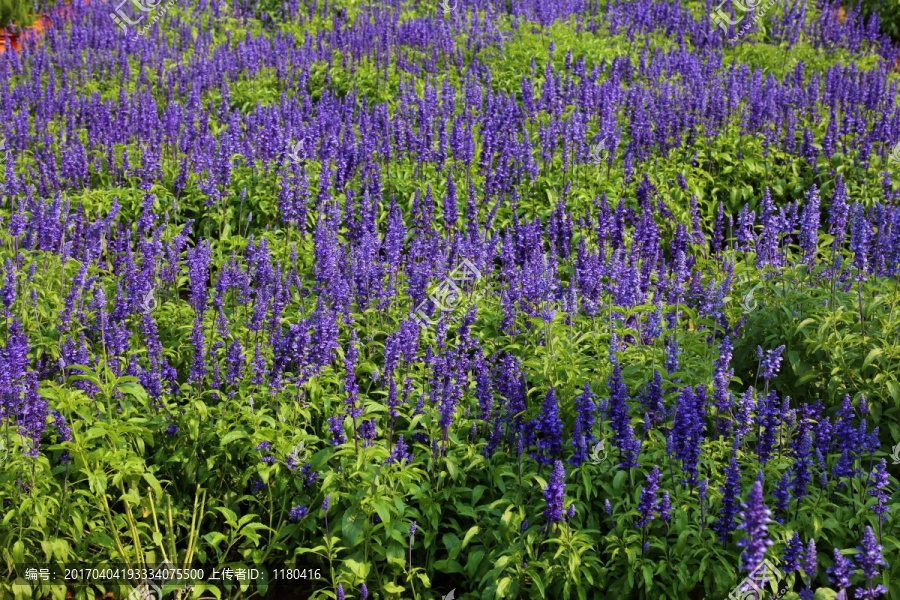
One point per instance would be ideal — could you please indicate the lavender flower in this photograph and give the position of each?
(549, 429)
(869, 559)
(554, 493)
(412, 532)
(782, 493)
(258, 484)
(264, 447)
(732, 487)
(771, 363)
(880, 480)
(839, 574)
(336, 427)
(809, 569)
(399, 453)
(755, 518)
(648, 501)
(790, 562)
(665, 507)
(297, 513)
(860, 234)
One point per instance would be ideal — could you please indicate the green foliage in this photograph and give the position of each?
(16, 13)
(831, 351)
(888, 13)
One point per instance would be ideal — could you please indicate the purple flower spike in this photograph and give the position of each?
(769, 366)
(755, 518)
(648, 502)
(869, 559)
(810, 566)
(665, 507)
(790, 562)
(297, 513)
(840, 573)
(554, 493)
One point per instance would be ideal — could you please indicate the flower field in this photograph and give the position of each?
(457, 299)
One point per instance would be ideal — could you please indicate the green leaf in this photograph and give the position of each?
(424, 579)
(392, 588)
(395, 554)
(229, 515)
(97, 482)
(451, 468)
(384, 510)
(450, 542)
(872, 355)
(353, 522)
(502, 586)
(894, 390)
(18, 552)
(469, 535)
(154, 483)
(360, 570)
(232, 436)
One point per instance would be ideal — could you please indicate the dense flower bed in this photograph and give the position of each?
(524, 299)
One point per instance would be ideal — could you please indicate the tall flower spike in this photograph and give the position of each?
(869, 559)
(860, 234)
(879, 481)
(790, 562)
(412, 533)
(755, 518)
(554, 493)
(550, 430)
(770, 364)
(839, 574)
(810, 566)
(648, 502)
(732, 487)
